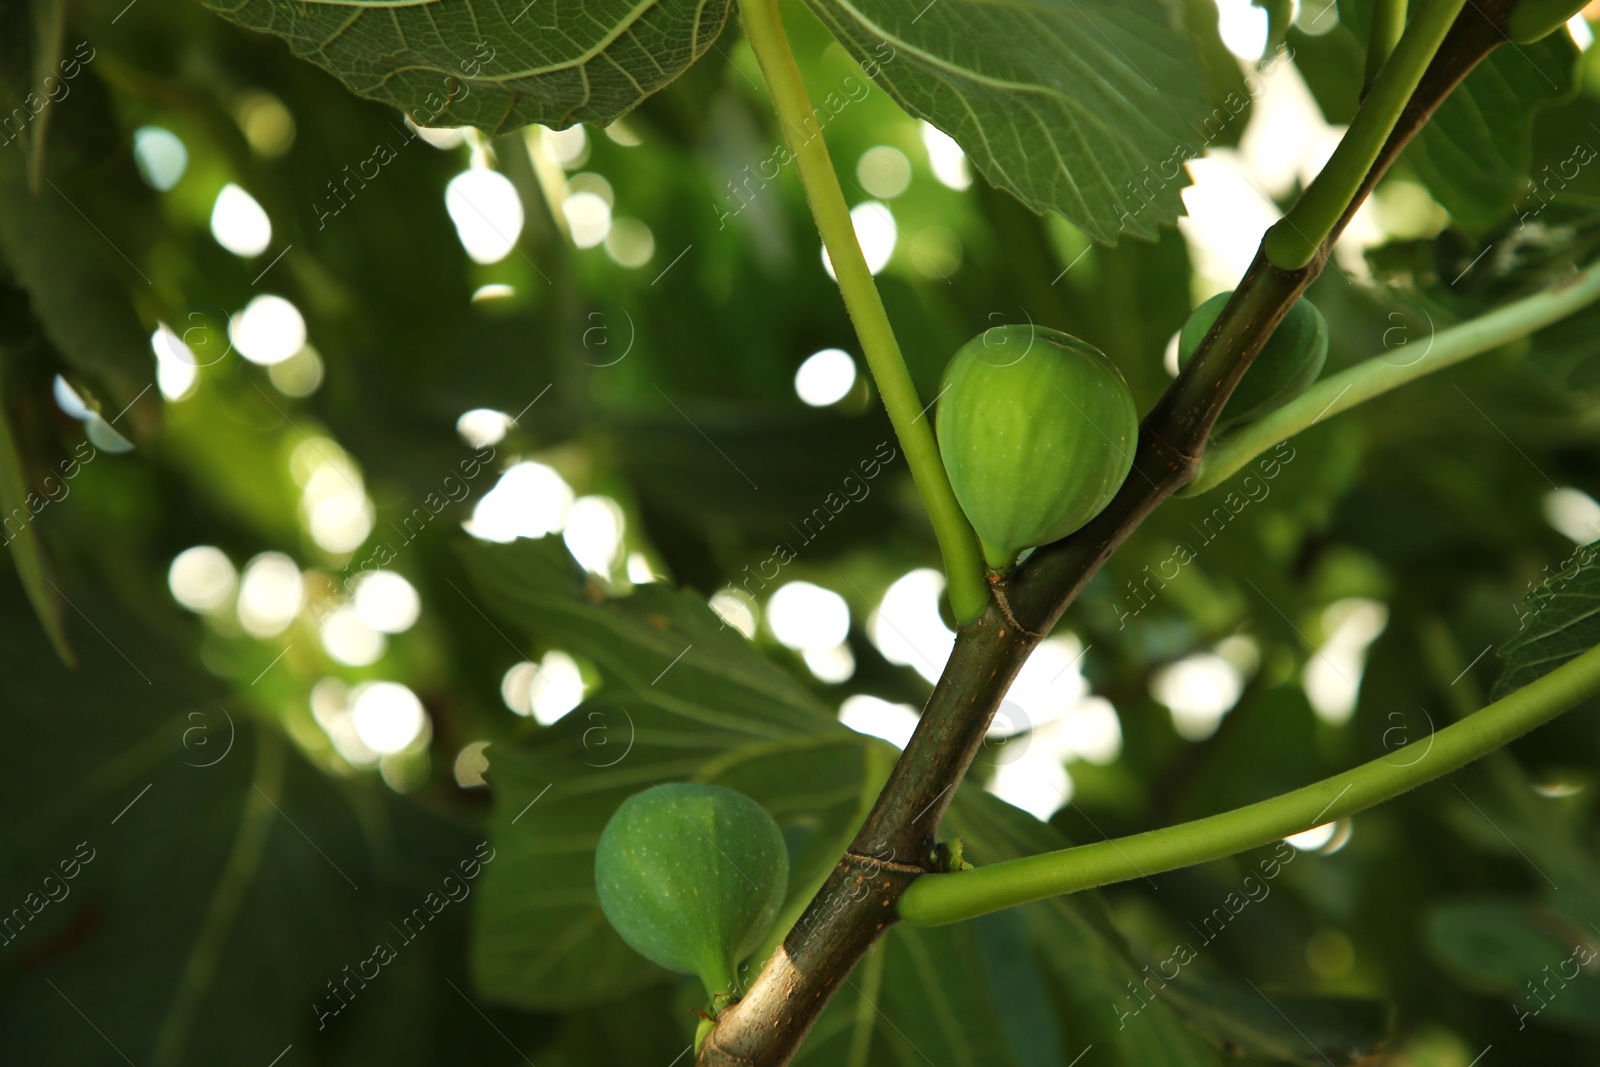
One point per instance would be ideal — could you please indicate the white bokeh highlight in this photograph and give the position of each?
(736, 608)
(546, 690)
(826, 377)
(907, 629)
(876, 717)
(347, 639)
(386, 601)
(483, 427)
(388, 717)
(807, 617)
(160, 156)
(487, 213)
(1198, 691)
(270, 594)
(177, 371)
(202, 578)
(239, 223)
(945, 157)
(269, 330)
(530, 500)
(1573, 513)
(593, 533)
(1332, 677)
(875, 233)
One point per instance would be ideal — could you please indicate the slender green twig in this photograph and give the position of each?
(943, 898)
(959, 545)
(244, 859)
(1294, 240)
(1388, 23)
(1376, 376)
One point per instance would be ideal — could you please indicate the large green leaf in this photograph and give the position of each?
(1106, 981)
(540, 938)
(681, 692)
(1475, 152)
(1537, 958)
(75, 276)
(495, 66)
(23, 537)
(686, 698)
(1560, 619)
(1086, 107)
(940, 996)
(190, 884)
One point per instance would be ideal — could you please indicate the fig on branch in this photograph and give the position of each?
(1037, 431)
(1284, 368)
(692, 877)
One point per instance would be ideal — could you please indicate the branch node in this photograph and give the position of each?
(997, 586)
(873, 863)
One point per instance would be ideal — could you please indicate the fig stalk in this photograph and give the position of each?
(957, 543)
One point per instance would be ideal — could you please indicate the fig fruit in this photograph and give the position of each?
(1289, 362)
(692, 877)
(1037, 431)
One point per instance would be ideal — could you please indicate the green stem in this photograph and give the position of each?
(943, 898)
(1376, 376)
(1388, 23)
(969, 590)
(1297, 237)
(1533, 19)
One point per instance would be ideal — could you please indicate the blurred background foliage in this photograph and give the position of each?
(288, 387)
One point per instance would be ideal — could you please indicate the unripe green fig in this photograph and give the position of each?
(1532, 19)
(692, 877)
(1037, 431)
(1284, 368)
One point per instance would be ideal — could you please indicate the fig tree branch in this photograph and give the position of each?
(1174, 434)
(1388, 23)
(945, 898)
(1298, 236)
(1376, 376)
(958, 544)
(896, 843)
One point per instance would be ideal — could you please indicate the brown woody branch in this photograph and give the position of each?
(897, 842)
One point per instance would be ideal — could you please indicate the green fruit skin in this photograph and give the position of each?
(1037, 431)
(1284, 368)
(692, 877)
(1533, 19)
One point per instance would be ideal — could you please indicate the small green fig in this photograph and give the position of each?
(692, 877)
(1284, 368)
(1037, 431)
(1532, 19)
